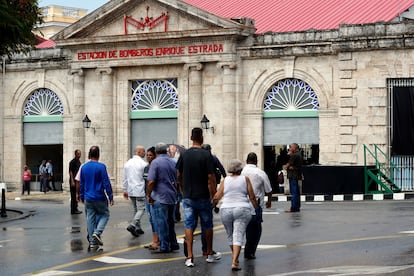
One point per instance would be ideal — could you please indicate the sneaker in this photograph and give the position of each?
(216, 255)
(139, 230)
(189, 262)
(97, 238)
(132, 230)
(213, 257)
(93, 247)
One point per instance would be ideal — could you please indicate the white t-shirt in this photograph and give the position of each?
(260, 181)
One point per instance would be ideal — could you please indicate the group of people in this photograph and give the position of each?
(47, 182)
(46, 176)
(154, 183)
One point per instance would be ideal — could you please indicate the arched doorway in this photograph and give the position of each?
(43, 134)
(290, 115)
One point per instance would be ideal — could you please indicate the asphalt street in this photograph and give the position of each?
(325, 238)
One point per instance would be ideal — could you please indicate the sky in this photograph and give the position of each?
(90, 5)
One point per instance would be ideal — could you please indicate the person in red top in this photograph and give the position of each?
(27, 175)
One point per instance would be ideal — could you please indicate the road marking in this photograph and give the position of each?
(350, 270)
(56, 269)
(92, 258)
(348, 240)
(264, 246)
(53, 273)
(3, 241)
(270, 213)
(116, 260)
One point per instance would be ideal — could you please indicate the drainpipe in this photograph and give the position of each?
(2, 118)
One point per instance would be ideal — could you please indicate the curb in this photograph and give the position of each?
(348, 197)
(16, 214)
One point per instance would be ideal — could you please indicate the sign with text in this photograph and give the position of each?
(152, 52)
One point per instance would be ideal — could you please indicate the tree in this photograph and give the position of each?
(17, 20)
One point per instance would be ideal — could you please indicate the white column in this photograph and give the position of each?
(105, 129)
(229, 116)
(78, 111)
(195, 99)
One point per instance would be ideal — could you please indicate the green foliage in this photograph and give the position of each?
(17, 20)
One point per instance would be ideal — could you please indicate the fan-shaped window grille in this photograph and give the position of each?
(291, 94)
(154, 95)
(43, 102)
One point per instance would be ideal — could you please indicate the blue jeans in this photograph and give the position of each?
(295, 192)
(194, 208)
(44, 182)
(164, 218)
(150, 212)
(97, 216)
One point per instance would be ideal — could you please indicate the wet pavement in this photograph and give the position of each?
(325, 238)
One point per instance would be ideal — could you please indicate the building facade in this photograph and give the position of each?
(147, 71)
(55, 18)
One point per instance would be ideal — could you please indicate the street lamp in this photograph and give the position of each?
(86, 122)
(205, 124)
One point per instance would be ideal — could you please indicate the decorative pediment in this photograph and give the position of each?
(147, 18)
(148, 22)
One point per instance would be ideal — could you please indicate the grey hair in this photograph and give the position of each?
(161, 148)
(235, 166)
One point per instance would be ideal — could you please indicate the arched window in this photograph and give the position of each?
(42, 118)
(43, 102)
(291, 94)
(154, 95)
(291, 114)
(153, 103)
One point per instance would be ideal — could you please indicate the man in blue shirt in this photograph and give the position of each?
(162, 194)
(95, 190)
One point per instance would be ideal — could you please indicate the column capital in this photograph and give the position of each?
(78, 72)
(227, 64)
(104, 70)
(196, 66)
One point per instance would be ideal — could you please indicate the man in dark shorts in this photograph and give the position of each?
(198, 185)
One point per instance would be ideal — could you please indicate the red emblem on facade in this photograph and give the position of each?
(147, 22)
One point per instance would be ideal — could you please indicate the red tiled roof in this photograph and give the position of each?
(46, 44)
(300, 15)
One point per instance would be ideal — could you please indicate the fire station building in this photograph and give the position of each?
(148, 71)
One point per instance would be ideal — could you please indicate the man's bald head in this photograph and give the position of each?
(140, 151)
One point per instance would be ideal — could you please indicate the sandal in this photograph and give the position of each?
(235, 267)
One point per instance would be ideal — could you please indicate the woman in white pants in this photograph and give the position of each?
(237, 197)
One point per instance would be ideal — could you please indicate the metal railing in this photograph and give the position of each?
(380, 177)
(403, 171)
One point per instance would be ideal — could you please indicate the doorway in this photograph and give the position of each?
(34, 154)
